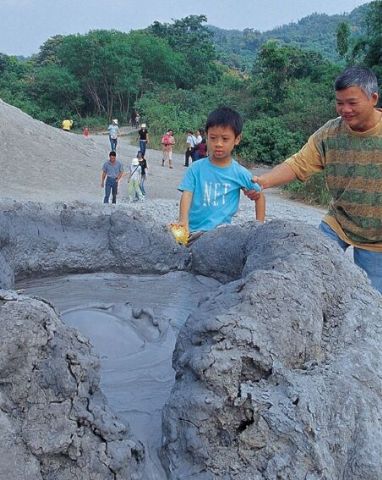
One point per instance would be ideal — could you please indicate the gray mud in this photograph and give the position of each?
(133, 322)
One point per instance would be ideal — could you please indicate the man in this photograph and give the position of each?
(112, 170)
(143, 138)
(349, 150)
(190, 149)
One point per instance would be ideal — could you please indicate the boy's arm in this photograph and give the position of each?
(260, 208)
(184, 207)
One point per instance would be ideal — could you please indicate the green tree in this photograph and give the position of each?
(368, 49)
(55, 89)
(16, 77)
(159, 62)
(276, 69)
(48, 51)
(103, 62)
(193, 40)
(343, 36)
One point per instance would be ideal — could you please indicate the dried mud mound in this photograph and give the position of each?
(37, 239)
(55, 422)
(278, 376)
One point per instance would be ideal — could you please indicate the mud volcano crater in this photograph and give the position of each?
(277, 354)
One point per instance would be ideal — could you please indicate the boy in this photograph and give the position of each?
(211, 187)
(112, 171)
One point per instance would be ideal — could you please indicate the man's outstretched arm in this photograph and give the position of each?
(279, 175)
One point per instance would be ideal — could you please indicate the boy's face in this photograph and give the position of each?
(221, 141)
(112, 158)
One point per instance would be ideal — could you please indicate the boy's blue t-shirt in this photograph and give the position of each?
(216, 192)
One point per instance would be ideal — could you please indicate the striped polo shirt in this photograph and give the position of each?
(352, 164)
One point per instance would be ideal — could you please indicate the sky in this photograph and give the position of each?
(26, 24)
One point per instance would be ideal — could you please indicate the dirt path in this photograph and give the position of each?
(45, 164)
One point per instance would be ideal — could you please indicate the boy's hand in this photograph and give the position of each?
(180, 232)
(254, 194)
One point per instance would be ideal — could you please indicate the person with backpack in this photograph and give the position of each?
(134, 191)
(167, 142)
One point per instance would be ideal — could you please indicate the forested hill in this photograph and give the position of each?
(315, 32)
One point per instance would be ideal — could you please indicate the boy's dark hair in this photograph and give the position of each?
(225, 117)
(112, 154)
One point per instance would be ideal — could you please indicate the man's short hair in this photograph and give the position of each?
(225, 117)
(112, 154)
(356, 76)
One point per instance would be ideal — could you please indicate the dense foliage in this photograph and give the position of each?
(175, 74)
(316, 32)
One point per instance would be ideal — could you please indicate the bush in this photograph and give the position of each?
(266, 140)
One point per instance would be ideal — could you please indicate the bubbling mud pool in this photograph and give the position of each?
(133, 322)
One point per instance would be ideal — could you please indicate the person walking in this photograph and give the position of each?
(112, 171)
(190, 148)
(144, 169)
(198, 141)
(113, 130)
(133, 189)
(143, 137)
(168, 141)
(348, 149)
(133, 118)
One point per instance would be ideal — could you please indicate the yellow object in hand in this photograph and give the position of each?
(180, 233)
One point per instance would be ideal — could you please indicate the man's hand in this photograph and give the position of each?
(253, 194)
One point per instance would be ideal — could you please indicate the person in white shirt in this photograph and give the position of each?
(190, 150)
(113, 134)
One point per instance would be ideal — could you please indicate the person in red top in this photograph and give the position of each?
(167, 141)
